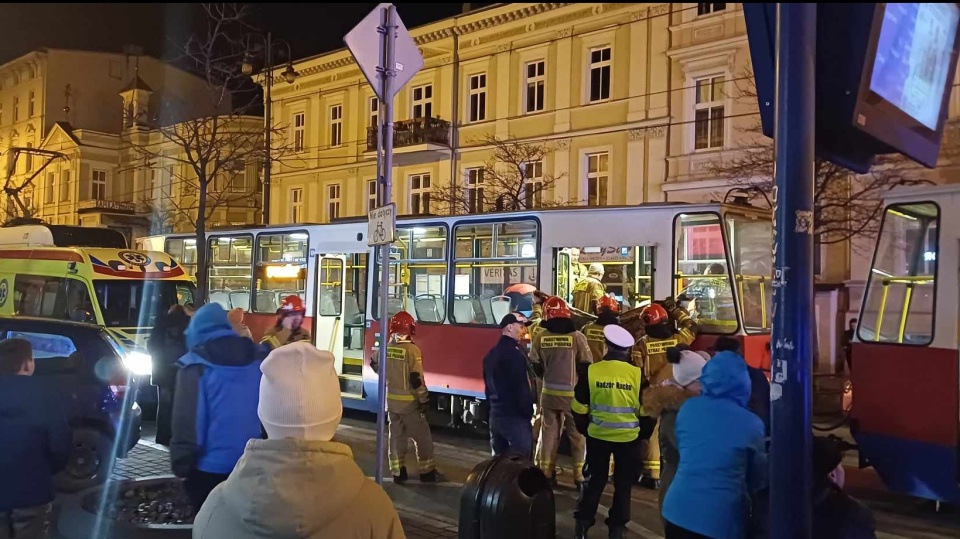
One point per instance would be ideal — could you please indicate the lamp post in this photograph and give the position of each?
(289, 75)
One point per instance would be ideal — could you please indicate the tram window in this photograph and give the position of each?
(900, 298)
(184, 251)
(331, 287)
(493, 261)
(281, 269)
(627, 271)
(702, 279)
(230, 264)
(752, 259)
(418, 274)
(354, 307)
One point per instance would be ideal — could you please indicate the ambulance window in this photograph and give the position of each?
(230, 271)
(900, 297)
(36, 295)
(496, 270)
(281, 269)
(418, 274)
(701, 281)
(79, 307)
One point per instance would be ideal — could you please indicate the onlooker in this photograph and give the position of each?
(759, 385)
(167, 344)
(723, 458)
(35, 443)
(664, 401)
(507, 388)
(835, 514)
(298, 483)
(215, 411)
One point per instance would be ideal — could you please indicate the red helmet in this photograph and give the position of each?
(606, 303)
(402, 323)
(555, 307)
(654, 314)
(291, 304)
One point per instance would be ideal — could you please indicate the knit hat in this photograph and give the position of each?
(689, 368)
(299, 393)
(209, 322)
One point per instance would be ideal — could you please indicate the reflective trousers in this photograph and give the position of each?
(555, 421)
(410, 425)
(651, 459)
(624, 476)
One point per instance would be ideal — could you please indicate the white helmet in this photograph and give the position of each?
(597, 268)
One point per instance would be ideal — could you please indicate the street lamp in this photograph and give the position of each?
(289, 75)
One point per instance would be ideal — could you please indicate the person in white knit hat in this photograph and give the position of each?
(298, 483)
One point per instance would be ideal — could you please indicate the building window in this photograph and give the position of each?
(478, 98)
(714, 7)
(374, 111)
(600, 74)
(598, 175)
(333, 201)
(64, 186)
(372, 195)
(16, 109)
(336, 125)
(709, 109)
(423, 101)
(296, 205)
(299, 131)
(31, 103)
(152, 188)
(48, 188)
(419, 194)
(474, 181)
(99, 185)
(167, 187)
(29, 158)
(536, 82)
(533, 184)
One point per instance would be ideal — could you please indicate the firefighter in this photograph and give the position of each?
(607, 407)
(665, 326)
(407, 401)
(288, 326)
(578, 270)
(536, 385)
(589, 291)
(608, 312)
(558, 353)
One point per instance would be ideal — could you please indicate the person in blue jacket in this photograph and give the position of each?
(215, 406)
(723, 458)
(507, 388)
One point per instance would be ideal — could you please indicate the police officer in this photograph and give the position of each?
(607, 408)
(407, 401)
(558, 353)
(608, 312)
(288, 326)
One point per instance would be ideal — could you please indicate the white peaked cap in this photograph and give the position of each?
(618, 336)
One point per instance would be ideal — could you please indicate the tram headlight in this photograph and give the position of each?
(139, 363)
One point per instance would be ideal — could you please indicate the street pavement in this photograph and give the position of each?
(429, 511)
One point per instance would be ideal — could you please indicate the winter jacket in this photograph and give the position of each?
(723, 458)
(663, 402)
(297, 489)
(558, 353)
(167, 344)
(838, 516)
(506, 382)
(215, 403)
(35, 440)
(406, 386)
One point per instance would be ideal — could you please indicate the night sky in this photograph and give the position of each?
(309, 28)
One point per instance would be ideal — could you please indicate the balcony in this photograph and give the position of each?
(107, 206)
(420, 134)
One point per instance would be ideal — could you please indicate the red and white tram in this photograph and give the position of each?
(451, 273)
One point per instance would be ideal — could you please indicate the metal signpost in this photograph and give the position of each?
(388, 64)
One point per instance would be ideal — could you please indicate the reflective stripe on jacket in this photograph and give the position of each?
(614, 406)
(403, 359)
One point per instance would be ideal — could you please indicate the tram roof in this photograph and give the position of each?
(922, 191)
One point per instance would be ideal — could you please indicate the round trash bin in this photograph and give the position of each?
(507, 497)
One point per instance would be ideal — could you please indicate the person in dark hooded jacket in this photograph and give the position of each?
(759, 402)
(835, 514)
(215, 411)
(167, 344)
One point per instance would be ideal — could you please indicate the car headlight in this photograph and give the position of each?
(139, 363)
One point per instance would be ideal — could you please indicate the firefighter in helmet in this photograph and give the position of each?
(407, 401)
(588, 291)
(665, 326)
(558, 353)
(288, 327)
(608, 312)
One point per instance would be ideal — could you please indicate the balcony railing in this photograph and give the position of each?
(412, 132)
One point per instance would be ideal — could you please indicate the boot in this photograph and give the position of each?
(552, 482)
(432, 476)
(650, 483)
(581, 530)
(402, 478)
(618, 532)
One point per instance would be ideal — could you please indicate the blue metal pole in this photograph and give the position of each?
(790, 392)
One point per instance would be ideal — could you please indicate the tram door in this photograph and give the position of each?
(563, 277)
(329, 306)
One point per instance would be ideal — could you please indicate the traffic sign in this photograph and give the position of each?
(382, 225)
(366, 49)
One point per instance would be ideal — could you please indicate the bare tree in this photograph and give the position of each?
(514, 178)
(209, 143)
(846, 205)
(22, 207)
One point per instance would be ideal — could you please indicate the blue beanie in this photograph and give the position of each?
(209, 322)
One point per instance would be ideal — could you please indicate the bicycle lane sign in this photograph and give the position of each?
(381, 225)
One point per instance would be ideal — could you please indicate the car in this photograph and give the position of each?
(89, 369)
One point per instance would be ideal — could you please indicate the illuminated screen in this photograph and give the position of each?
(913, 57)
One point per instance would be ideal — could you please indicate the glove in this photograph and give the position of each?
(669, 304)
